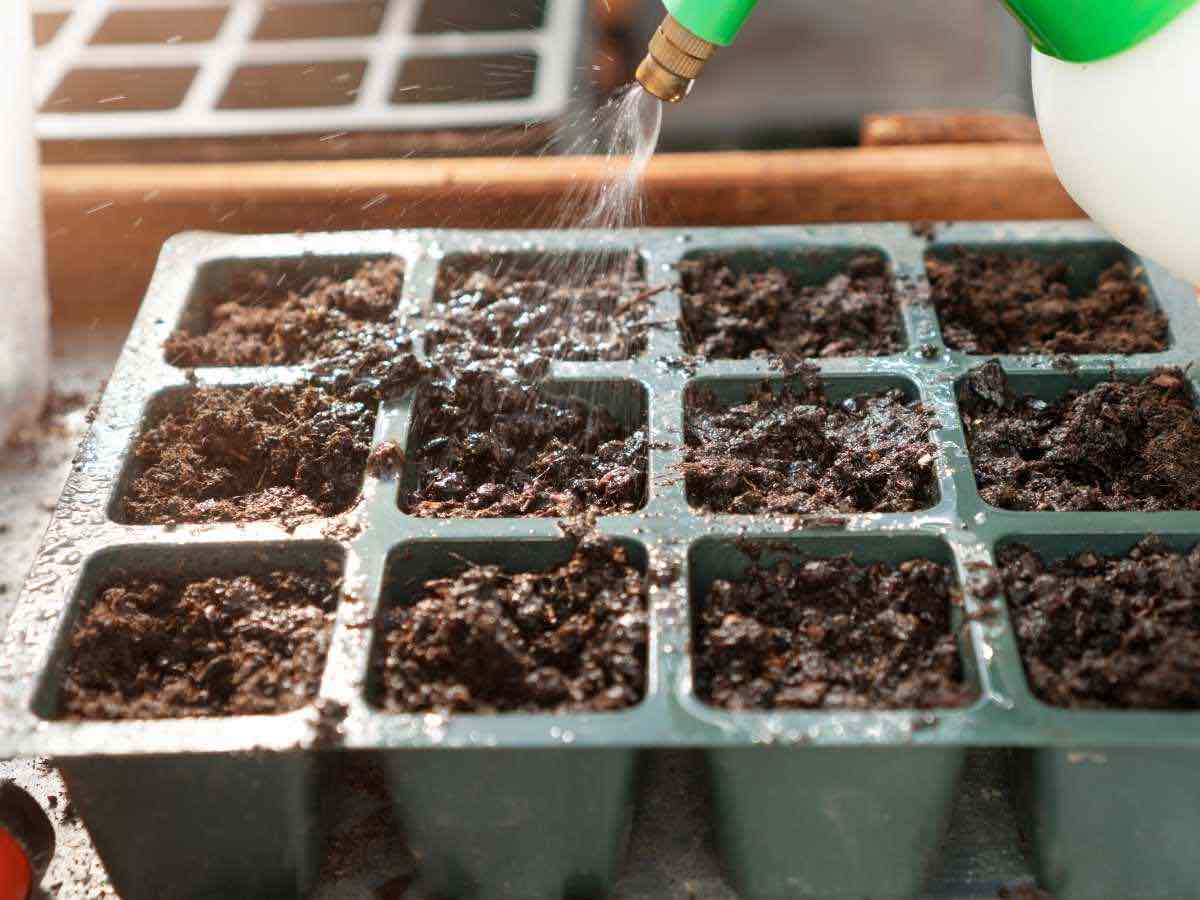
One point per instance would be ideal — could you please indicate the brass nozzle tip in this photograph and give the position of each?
(676, 58)
(662, 83)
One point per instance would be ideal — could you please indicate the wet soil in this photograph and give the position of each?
(151, 647)
(250, 454)
(729, 314)
(798, 452)
(486, 447)
(831, 634)
(569, 638)
(1121, 445)
(994, 303)
(564, 310)
(1102, 632)
(268, 320)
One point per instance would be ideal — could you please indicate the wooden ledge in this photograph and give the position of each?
(106, 223)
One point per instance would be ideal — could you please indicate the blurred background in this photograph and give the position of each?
(188, 80)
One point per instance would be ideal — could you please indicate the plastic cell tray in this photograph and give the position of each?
(806, 804)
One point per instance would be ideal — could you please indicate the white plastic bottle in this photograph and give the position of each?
(1124, 135)
(24, 325)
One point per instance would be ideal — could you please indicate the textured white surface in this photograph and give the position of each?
(1124, 134)
(23, 316)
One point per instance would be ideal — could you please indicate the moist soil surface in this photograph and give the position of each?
(250, 454)
(1121, 445)
(485, 447)
(995, 303)
(564, 310)
(569, 638)
(1104, 632)
(831, 634)
(798, 452)
(729, 314)
(156, 648)
(266, 320)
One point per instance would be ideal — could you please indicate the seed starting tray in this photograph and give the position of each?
(813, 804)
(229, 69)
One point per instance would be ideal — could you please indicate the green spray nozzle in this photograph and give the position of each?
(716, 21)
(1090, 30)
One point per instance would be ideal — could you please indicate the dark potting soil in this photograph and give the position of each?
(559, 309)
(485, 447)
(1103, 632)
(798, 452)
(569, 638)
(268, 320)
(996, 303)
(1121, 445)
(159, 647)
(250, 454)
(831, 634)
(735, 315)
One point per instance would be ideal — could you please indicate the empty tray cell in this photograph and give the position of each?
(46, 26)
(575, 307)
(341, 19)
(103, 90)
(294, 85)
(161, 633)
(803, 628)
(1044, 298)
(800, 303)
(272, 313)
(470, 15)
(475, 627)
(1089, 442)
(808, 445)
(1106, 628)
(251, 454)
(484, 447)
(161, 25)
(485, 77)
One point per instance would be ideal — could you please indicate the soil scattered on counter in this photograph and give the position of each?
(267, 321)
(584, 313)
(1102, 632)
(729, 314)
(569, 638)
(798, 452)
(250, 454)
(1121, 445)
(155, 648)
(831, 634)
(997, 303)
(485, 447)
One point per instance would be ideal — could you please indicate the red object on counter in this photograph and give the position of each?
(16, 875)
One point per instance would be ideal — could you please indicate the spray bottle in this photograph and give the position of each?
(1116, 84)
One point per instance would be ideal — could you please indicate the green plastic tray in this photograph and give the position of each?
(808, 804)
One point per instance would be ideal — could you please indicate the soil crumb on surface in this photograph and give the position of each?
(997, 303)
(1121, 445)
(569, 638)
(154, 648)
(266, 319)
(249, 454)
(798, 452)
(731, 314)
(1105, 631)
(569, 309)
(831, 634)
(485, 447)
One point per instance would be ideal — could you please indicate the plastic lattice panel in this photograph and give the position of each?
(146, 69)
